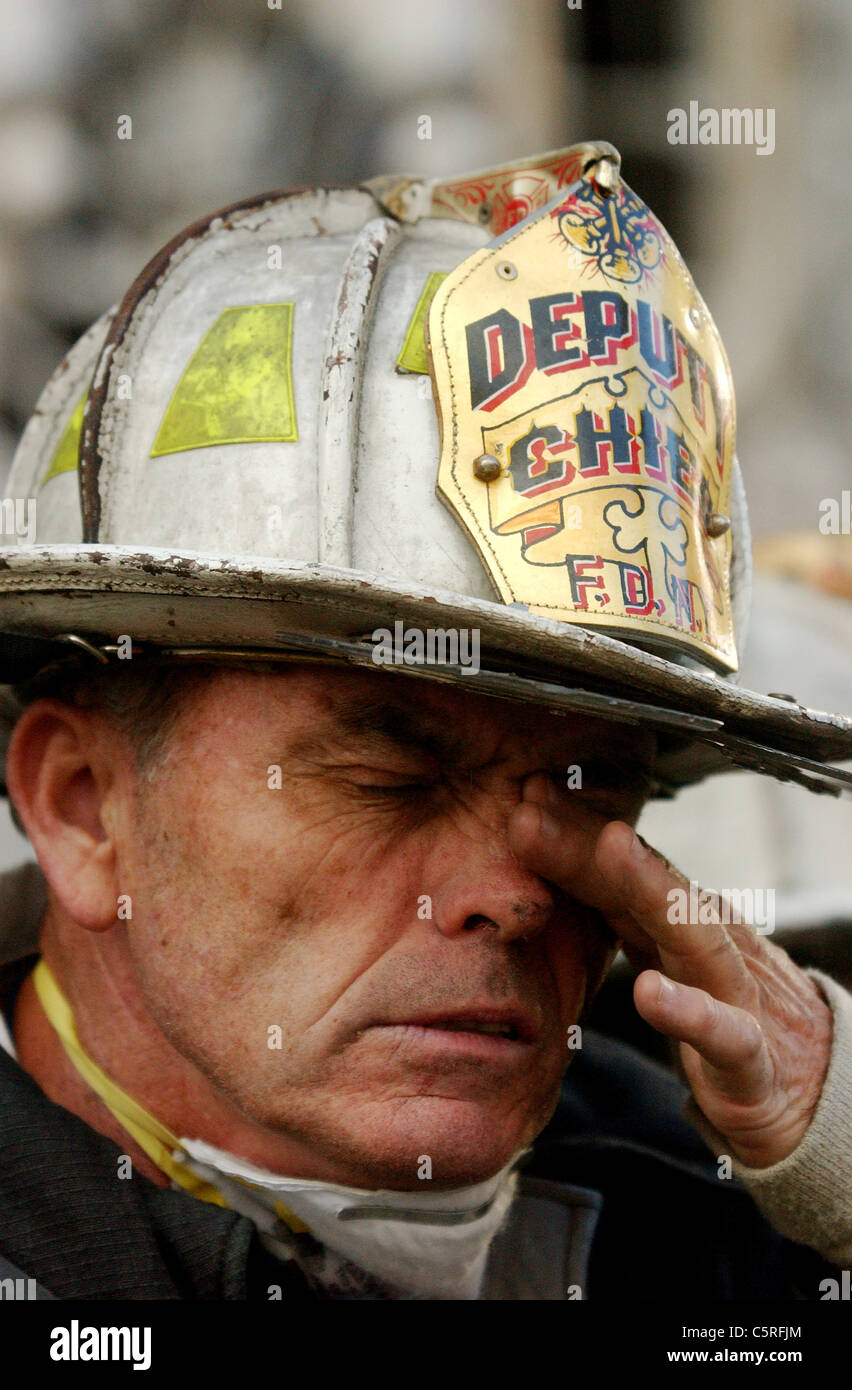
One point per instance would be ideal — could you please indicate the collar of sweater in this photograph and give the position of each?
(426, 1244)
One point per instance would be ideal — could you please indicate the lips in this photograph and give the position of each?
(473, 1025)
(511, 1024)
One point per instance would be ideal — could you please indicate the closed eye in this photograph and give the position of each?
(400, 789)
(387, 783)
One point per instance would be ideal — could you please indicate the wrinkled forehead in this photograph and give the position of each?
(318, 709)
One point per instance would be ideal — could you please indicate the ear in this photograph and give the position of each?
(65, 772)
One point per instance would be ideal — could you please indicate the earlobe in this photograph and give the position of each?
(63, 787)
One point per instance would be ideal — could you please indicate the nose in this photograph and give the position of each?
(491, 891)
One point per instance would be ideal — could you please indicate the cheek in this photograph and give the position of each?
(262, 908)
(579, 955)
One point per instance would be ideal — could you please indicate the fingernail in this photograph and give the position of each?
(666, 992)
(639, 849)
(549, 827)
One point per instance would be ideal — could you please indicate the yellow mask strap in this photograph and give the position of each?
(153, 1138)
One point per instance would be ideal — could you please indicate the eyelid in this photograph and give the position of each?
(398, 775)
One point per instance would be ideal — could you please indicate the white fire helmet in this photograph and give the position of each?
(329, 423)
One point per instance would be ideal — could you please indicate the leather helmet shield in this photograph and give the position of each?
(575, 354)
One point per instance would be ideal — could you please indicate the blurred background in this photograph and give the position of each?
(232, 97)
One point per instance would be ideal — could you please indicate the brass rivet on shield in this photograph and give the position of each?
(506, 270)
(486, 468)
(717, 524)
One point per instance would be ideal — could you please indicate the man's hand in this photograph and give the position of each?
(754, 1031)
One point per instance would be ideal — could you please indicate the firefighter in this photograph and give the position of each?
(391, 552)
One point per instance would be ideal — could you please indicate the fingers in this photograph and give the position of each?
(657, 897)
(562, 851)
(729, 1041)
(606, 865)
(564, 854)
(556, 838)
(754, 1040)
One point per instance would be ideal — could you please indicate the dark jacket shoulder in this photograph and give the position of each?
(670, 1225)
(68, 1220)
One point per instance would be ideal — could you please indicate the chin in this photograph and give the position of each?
(464, 1142)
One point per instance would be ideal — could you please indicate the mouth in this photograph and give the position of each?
(474, 1025)
(507, 1025)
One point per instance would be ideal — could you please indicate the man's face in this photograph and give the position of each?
(362, 904)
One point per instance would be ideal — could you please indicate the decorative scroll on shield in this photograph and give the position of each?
(499, 198)
(494, 198)
(587, 418)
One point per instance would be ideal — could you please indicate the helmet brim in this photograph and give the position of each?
(188, 599)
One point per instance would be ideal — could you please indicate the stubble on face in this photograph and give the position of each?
(299, 908)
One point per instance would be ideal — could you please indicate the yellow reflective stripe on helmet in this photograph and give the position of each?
(65, 456)
(238, 387)
(154, 1138)
(413, 356)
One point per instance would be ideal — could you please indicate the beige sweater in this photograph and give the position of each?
(808, 1195)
